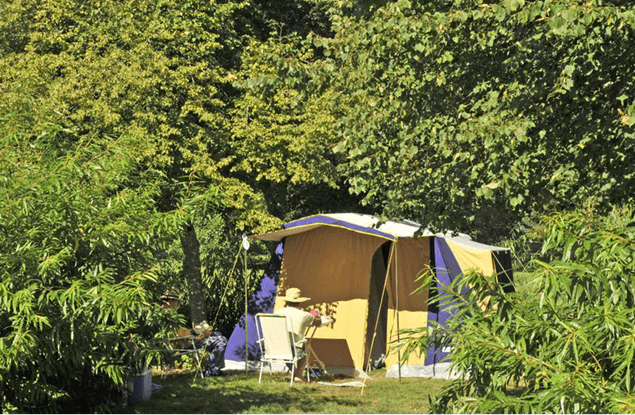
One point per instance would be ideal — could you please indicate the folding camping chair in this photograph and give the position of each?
(276, 343)
(178, 352)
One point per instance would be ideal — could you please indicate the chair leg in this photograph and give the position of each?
(292, 373)
(260, 377)
(199, 369)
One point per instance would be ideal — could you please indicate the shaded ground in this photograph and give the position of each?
(237, 392)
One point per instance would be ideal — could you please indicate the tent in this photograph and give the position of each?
(361, 273)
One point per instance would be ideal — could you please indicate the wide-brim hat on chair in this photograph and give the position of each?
(294, 295)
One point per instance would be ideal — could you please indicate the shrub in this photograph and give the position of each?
(569, 347)
(78, 237)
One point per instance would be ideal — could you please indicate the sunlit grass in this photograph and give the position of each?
(237, 392)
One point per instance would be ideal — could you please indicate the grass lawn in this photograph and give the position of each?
(240, 393)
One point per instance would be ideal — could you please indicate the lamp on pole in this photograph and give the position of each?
(246, 248)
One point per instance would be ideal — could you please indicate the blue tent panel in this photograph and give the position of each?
(446, 269)
(262, 301)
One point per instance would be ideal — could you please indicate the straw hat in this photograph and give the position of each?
(294, 295)
(171, 294)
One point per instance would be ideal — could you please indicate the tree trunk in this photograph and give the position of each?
(192, 272)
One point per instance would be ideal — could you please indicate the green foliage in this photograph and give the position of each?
(471, 114)
(121, 122)
(166, 73)
(223, 275)
(565, 345)
(79, 238)
(282, 141)
(158, 72)
(122, 119)
(283, 133)
(272, 120)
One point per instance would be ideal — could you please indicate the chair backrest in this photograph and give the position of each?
(274, 333)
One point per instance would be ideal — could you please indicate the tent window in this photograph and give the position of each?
(503, 264)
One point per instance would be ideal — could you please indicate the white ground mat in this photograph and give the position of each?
(438, 371)
(353, 384)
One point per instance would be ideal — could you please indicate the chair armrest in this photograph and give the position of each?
(188, 337)
(181, 343)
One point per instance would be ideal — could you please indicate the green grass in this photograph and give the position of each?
(240, 393)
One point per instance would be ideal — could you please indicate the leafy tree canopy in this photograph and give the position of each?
(470, 115)
(146, 139)
(154, 71)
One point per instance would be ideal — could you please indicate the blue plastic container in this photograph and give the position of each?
(140, 388)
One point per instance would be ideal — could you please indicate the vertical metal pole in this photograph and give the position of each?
(397, 304)
(246, 314)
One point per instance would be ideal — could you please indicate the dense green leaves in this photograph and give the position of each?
(79, 241)
(470, 115)
(565, 345)
(281, 140)
(124, 125)
(144, 68)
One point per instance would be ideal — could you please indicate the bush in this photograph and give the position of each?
(569, 347)
(79, 233)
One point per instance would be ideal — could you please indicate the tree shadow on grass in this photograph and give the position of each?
(236, 392)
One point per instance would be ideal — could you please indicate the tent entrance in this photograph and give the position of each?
(377, 327)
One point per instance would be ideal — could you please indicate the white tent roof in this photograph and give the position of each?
(396, 229)
(470, 244)
(402, 229)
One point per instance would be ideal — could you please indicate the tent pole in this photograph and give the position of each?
(397, 305)
(246, 313)
(433, 261)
